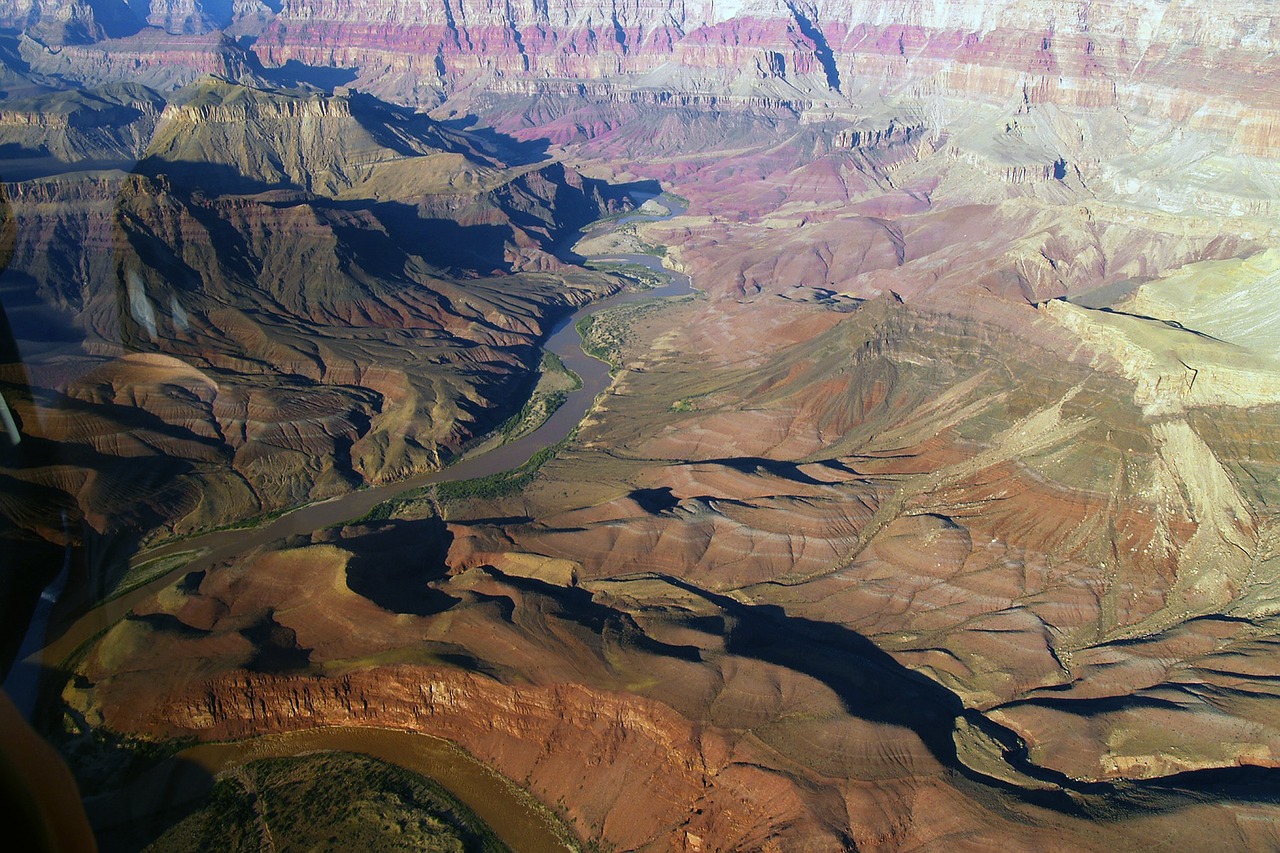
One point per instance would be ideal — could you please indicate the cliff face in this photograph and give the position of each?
(1175, 61)
(53, 21)
(60, 22)
(150, 57)
(641, 752)
(660, 715)
(113, 123)
(1080, 54)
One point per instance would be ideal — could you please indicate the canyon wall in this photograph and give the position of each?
(1168, 61)
(831, 54)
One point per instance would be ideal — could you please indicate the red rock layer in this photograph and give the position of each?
(1069, 54)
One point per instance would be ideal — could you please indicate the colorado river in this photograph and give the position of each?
(222, 545)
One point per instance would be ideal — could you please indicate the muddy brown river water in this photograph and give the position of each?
(513, 815)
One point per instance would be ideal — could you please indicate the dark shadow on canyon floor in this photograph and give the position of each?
(396, 563)
(873, 686)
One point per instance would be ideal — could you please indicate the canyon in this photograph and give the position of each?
(939, 515)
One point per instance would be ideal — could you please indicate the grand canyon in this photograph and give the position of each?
(642, 424)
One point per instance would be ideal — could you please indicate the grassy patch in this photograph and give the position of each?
(491, 487)
(503, 485)
(242, 524)
(533, 414)
(147, 571)
(555, 383)
(595, 342)
(636, 275)
(383, 511)
(539, 408)
(665, 199)
(606, 219)
(552, 364)
(605, 334)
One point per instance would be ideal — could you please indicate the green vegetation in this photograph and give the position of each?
(595, 343)
(555, 382)
(665, 199)
(606, 333)
(255, 521)
(384, 510)
(503, 485)
(552, 364)
(491, 487)
(105, 760)
(534, 413)
(148, 570)
(242, 524)
(606, 219)
(641, 245)
(328, 801)
(637, 275)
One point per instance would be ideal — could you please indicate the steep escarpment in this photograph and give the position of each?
(56, 23)
(429, 40)
(253, 139)
(150, 57)
(833, 53)
(842, 54)
(96, 128)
